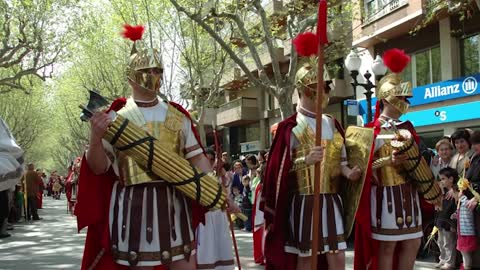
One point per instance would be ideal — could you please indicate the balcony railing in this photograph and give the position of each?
(238, 111)
(376, 9)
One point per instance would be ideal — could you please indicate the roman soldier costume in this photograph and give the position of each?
(289, 185)
(390, 207)
(145, 221)
(71, 184)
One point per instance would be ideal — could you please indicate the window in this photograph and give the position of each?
(376, 9)
(424, 68)
(470, 55)
(370, 7)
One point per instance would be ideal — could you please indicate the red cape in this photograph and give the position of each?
(275, 209)
(257, 233)
(93, 199)
(92, 211)
(366, 248)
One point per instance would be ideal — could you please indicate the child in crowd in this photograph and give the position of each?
(447, 238)
(469, 208)
(238, 199)
(467, 240)
(246, 203)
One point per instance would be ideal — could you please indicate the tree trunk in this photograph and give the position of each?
(201, 133)
(263, 121)
(201, 127)
(285, 103)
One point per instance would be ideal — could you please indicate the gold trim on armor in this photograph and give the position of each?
(214, 265)
(330, 170)
(396, 231)
(174, 120)
(389, 174)
(167, 133)
(152, 256)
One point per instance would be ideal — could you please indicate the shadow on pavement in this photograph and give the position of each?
(50, 243)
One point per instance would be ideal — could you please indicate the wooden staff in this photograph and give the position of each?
(321, 34)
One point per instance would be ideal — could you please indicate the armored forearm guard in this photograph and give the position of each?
(417, 168)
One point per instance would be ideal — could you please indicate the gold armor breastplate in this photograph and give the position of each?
(388, 174)
(330, 166)
(168, 134)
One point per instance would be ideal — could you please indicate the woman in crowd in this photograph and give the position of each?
(461, 142)
(442, 160)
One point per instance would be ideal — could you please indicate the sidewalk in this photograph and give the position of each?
(50, 243)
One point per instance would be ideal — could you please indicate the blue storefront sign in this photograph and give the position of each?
(443, 115)
(445, 90)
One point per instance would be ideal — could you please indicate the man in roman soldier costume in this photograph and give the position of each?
(71, 184)
(139, 221)
(389, 219)
(288, 187)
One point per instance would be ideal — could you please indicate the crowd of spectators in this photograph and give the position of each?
(458, 221)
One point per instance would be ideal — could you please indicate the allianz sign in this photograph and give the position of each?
(468, 86)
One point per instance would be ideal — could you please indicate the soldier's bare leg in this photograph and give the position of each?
(336, 260)
(304, 263)
(184, 264)
(408, 253)
(385, 254)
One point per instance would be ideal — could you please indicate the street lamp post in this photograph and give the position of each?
(353, 63)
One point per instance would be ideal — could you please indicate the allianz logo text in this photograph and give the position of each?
(469, 86)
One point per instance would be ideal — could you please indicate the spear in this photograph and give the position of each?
(322, 40)
(310, 44)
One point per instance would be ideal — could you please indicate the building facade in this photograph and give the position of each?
(249, 113)
(445, 58)
(444, 71)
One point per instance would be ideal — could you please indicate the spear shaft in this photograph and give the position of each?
(321, 33)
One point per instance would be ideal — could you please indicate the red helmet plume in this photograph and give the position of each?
(396, 60)
(133, 33)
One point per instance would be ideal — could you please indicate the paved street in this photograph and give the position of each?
(53, 243)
